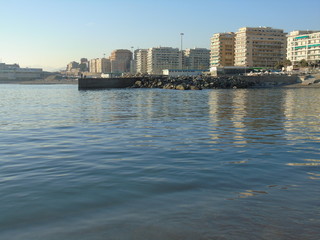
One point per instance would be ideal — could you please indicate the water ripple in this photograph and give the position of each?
(152, 164)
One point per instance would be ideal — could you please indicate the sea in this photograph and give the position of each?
(155, 164)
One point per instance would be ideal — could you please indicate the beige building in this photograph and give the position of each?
(100, 65)
(160, 58)
(260, 47)
(141, 61)
(222, 49)
(120, 61)
(303, 45)
(196, 58)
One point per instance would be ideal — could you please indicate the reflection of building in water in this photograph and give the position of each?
(227, 109)
(213, 112)
(302, 114)
(265, 115)
(239, 104)
(244, 116)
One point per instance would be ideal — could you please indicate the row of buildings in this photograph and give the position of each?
(253, 47)
(264, 47)
(120, 61)
(144, 61)
(155, 60)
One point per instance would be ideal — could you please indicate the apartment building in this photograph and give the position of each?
(120, 60)
(222, 49)
(259, 46)
(196, 58)
(72, 65)
(141, 61)
(160, 58)
(100, 65)
(303, 45)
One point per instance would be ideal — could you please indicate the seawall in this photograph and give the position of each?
(186, 83)
(97, 83)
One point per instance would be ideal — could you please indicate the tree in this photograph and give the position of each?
(303, 63)
(287, 63)
(280, 65)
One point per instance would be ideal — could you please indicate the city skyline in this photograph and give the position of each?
(53, 33)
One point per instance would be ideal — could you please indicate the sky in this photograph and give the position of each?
(51, 33)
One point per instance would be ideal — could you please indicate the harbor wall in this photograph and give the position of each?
(255, 81)
(96, 83)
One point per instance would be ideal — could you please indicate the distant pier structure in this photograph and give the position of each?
(13, 72)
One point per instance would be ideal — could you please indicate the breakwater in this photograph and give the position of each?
(188, 82)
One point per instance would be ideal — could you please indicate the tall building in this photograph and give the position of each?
(160, 58)
(84, 65)
(141, 61)
(196, 58)
(120, 61)
(303, 45)
(72, 65)
(93, 65)
(100, 65)
(260, 46)
(222, 49)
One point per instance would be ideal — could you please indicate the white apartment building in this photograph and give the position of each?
(260, 47)
(160, 58)
(196, 58)
(303, 45)
(141, 61)
(222, 49)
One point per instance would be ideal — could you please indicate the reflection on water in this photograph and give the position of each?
(302, 115)
(159, 164)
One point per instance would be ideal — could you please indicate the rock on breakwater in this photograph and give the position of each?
(193, 83)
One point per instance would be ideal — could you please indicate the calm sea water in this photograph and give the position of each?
(159, 164)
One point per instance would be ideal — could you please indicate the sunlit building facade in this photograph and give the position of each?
(303, 45)
(141, 61)
(260, 47)
(196, 58)
(160, 58)
(222, 49)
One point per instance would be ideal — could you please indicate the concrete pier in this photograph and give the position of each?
(99, 83)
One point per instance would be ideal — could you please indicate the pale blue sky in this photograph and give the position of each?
(50, 34)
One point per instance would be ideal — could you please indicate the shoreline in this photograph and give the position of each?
(40, 82)
(75, 82)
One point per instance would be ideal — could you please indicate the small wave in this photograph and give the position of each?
(303, 164)
(238, 162)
